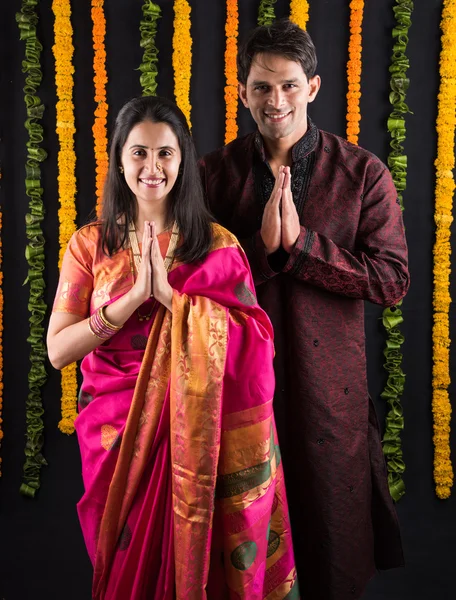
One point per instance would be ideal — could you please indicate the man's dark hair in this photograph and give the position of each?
(283, 38)
(186, 204)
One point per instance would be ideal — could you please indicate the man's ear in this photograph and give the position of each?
(314, 86)
(242, 90)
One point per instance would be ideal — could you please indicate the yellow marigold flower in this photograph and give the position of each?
(444, 163)
(299, 12)
(182, 56)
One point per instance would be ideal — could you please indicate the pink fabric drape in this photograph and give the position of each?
(184, 492)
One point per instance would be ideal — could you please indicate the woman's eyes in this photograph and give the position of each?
(144, 153)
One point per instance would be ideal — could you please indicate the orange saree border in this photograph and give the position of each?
(200, 332)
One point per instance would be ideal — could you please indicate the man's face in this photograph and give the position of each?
(277, 93)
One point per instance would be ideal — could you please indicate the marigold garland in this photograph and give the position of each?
(266, 14)
(27, 20)
(392, 317)
(100, 136)
(1, 340)
(148, 30)
(182, 56)
(445, 161)
(231, 75)
(354, 70)
(63, 50)
(299, 12)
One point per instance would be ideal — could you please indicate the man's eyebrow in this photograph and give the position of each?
(257, 82)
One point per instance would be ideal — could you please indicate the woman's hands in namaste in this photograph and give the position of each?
(161, 288)
(152, 279)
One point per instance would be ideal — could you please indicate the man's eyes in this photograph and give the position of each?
(266, 88)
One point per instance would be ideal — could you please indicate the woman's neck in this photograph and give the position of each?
(159, 217)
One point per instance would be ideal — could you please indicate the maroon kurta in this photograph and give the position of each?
(351, 248)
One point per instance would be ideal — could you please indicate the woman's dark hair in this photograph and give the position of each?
(283, 38)
(186, 201)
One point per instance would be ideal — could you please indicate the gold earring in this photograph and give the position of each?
(121, 169)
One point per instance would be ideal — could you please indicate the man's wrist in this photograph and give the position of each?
(278, 259)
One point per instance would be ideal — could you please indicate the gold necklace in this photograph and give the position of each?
(135, 259)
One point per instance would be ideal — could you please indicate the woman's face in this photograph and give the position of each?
(150, 158)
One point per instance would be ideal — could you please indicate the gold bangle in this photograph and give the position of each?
(106, 322)
(89, 323)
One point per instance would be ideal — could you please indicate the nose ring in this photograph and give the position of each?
(159, 167)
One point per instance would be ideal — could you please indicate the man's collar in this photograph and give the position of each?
(302, 148)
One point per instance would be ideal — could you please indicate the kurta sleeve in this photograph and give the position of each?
(76, 279)
(376, 269)
(262, 265)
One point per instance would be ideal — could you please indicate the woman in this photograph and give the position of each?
(184, 494)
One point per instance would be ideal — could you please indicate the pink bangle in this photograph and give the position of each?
(100, 327)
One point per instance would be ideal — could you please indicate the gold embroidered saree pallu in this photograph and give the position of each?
(194, 507)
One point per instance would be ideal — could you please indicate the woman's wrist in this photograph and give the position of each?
(134, 300)
(168, 299)
(121, 309)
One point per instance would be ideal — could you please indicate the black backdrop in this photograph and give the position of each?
(42, 555)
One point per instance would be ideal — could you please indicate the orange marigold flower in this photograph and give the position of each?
(63, 52)
(231, 95)
(354, 70)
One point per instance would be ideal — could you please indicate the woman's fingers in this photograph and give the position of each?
(154, 241)
(146, 241)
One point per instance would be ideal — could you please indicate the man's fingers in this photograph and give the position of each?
(277, 185)
(276, 198)
(286, 178)
(277, 192)
(287, 196)
(286, 184)
(280, 177)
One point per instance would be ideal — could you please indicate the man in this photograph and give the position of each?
(320, 223)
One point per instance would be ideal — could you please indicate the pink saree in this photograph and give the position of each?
(184, 490)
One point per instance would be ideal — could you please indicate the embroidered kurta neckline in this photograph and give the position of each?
(300, 150)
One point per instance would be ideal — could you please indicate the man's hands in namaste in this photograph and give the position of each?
(280, 225)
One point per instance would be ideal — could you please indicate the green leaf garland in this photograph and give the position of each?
(27, 20)
(392, 317)
(266, 14)
(397, 160)
(148, 30)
